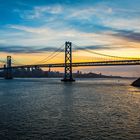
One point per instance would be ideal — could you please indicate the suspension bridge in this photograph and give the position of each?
(68, 64)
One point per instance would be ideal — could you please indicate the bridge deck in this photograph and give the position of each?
(82, 64)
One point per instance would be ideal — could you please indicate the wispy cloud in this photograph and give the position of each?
(89, 12)
(129, 35)
(41, 11)
(26, 49)
(44, 36)
(132, 24)
(87, 25)
(35, 49)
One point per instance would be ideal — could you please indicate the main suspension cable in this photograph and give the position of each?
(101, 54)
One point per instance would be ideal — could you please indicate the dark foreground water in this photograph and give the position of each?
(89, 109)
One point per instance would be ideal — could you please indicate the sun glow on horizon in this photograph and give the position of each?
(35, 29)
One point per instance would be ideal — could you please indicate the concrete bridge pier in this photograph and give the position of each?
(8, 69)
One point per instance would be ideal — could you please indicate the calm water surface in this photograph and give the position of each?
(89, 109)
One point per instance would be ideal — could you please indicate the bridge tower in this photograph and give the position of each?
(68, 63)
(8, 69)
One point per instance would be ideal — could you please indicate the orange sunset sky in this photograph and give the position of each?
(30, 31)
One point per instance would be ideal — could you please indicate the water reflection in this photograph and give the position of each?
(134, 90)
(68, 113)
(87, 109)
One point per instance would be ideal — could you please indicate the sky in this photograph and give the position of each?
(31, 29)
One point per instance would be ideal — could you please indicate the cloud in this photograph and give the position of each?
(39, 49)
(43, 36)
(89, 12)
(85, 18)
(97, 47)
(132, 24)
(41, 11)
(29, 29)
(2, 41)
(26, 49)
(14, 49)
(130, 35)
(29, 49)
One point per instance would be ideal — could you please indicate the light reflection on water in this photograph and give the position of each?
(86, 109)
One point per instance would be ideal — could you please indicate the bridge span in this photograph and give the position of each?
(81, 64)
(68, 64)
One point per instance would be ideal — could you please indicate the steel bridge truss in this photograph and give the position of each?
(68, 63)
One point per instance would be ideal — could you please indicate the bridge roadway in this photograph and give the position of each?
(81, 64)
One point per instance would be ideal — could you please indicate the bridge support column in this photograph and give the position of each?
(8, 69)
(68, 63)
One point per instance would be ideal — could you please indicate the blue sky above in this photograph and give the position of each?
(42, 23)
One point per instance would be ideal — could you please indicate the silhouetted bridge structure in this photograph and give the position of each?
(68, 64)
